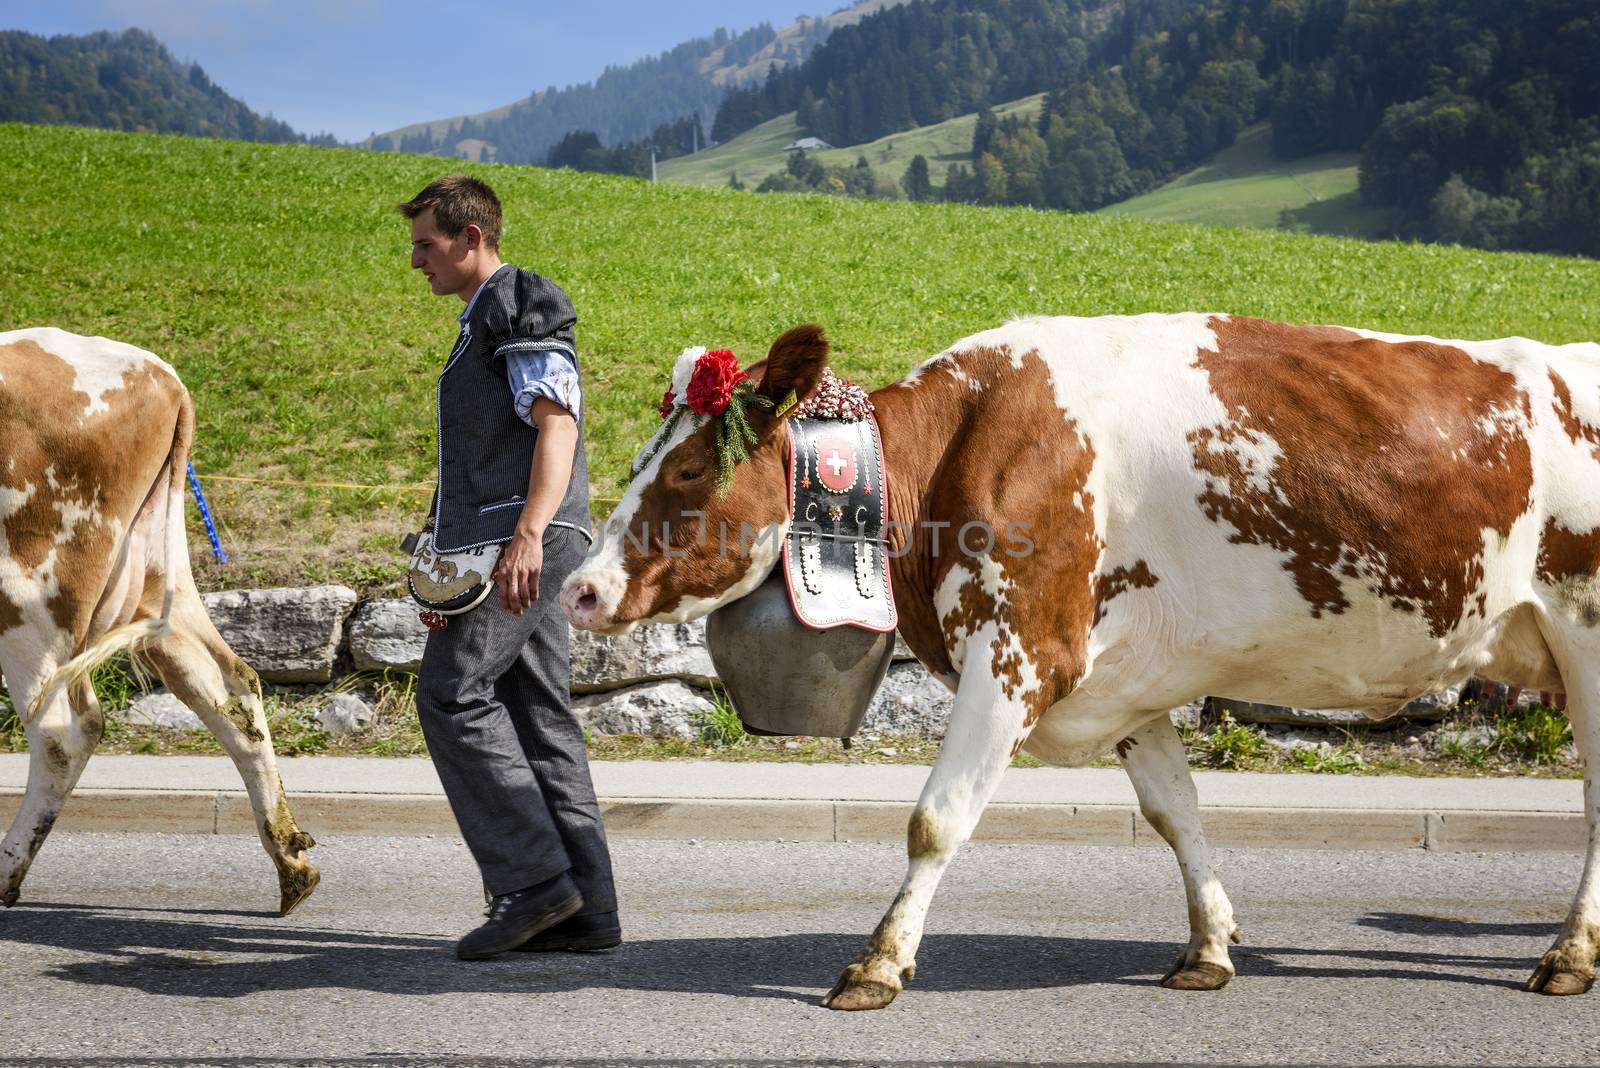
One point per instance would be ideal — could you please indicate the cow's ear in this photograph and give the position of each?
(795, 363)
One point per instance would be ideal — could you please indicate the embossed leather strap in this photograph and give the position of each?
(835, 559)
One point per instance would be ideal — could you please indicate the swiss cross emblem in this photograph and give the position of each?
(836, 463)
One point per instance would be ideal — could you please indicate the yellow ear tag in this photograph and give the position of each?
(788, 403)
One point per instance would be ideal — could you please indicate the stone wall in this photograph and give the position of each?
(655, 680)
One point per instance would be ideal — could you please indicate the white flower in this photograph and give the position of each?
(682, 371)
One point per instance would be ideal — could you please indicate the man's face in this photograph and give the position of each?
(448, 262)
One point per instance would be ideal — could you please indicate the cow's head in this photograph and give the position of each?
(675, 549)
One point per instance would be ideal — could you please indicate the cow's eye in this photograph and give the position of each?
(688, 474)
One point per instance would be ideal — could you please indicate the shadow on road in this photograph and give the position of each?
(1417, 924)
(174, 955)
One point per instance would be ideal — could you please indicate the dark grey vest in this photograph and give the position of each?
(485, 450)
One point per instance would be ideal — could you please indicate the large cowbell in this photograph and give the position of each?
(805, 652)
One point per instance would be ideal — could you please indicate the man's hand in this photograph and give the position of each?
(517, 573)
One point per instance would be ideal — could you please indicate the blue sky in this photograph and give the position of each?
(357, 66)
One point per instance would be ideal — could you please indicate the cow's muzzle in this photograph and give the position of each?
(589, 599)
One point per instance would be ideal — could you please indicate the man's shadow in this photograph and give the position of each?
(165, 953)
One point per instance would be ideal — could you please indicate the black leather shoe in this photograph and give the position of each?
(516, 917)
(578, 934)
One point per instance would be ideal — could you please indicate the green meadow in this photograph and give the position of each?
(276, 280)
(1246, 185)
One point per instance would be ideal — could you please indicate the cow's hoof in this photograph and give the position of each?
(1201, 975)
(861, 986)
(295, 884)
(1549, 979)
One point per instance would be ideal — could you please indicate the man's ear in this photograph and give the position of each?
(474, 235)
(794, 364)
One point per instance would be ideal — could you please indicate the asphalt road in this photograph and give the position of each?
(150, 949)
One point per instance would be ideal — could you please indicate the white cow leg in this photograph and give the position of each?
(60, 741)
(1154, 759)
(1568, 966)
(976, 751)
(197, 665)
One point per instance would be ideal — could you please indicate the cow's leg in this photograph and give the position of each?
(977, 748)
(197, 665)
(1154, 759)
(60, 740)
(1568, 966)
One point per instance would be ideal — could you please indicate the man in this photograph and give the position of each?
(493, 694)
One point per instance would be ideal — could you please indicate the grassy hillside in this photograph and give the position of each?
(1246, 185)
(275, 278)
(757, 153)
(439, 127)
(752, 155)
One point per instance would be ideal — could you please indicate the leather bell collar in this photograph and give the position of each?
(835, 559)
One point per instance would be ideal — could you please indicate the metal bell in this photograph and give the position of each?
(784, 677)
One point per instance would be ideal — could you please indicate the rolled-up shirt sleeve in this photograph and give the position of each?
(541, 369)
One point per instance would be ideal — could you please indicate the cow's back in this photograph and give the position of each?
(86, 426)
(1363, 508)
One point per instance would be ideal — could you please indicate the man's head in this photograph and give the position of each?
(455, 233)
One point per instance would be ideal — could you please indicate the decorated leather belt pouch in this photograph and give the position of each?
(835, 558)
(447, 584)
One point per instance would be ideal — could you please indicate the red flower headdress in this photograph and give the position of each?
(709, 385)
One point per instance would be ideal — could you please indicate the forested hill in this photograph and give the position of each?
(121, 81)
(623, 104)
(1478, 121)
(629, 103)
(922, 63)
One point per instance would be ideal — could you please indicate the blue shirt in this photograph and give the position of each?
(549, 373)
(536, 370)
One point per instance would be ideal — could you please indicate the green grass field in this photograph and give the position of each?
(1246, 185)
(757, 153)
(276, 279)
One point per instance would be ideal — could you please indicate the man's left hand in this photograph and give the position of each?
(517, 573)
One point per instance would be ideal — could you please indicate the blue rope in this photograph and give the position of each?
(205, 513)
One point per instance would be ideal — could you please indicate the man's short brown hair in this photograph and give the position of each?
(458, 201)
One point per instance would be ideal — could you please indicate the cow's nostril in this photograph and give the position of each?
(587, 601)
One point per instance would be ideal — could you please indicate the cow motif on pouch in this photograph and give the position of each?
(449, 584)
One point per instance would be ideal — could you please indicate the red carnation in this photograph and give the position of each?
(666, 403)
(711, 385)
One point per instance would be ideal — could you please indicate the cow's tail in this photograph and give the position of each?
(141, 633)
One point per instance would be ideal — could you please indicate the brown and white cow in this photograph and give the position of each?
(1315, 516)
(94, 444)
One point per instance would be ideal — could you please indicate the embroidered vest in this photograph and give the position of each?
(485, 450)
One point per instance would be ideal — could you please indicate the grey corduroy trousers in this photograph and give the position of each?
(494, 698)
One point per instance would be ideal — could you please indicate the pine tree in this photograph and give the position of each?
(805, 114)
(916, 182)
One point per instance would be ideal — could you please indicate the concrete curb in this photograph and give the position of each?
(228, 812)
